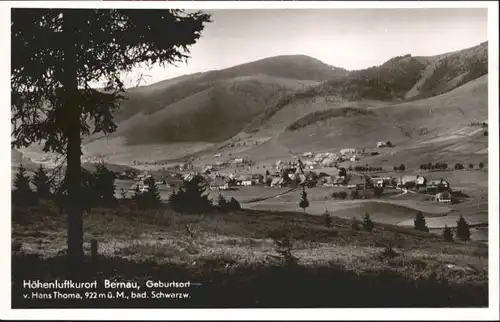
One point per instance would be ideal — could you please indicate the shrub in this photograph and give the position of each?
(283, 245)
(368, 224)
(402, 167)
(389, 251)
(463, 229)
(459, 166)
(447, 234)
(481, 165)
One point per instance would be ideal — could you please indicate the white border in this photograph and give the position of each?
(492, 313)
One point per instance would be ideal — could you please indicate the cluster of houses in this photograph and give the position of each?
(322, 159)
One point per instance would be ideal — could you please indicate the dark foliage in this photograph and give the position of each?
(368, 224)
(327, 219)
(42, 183)
(378, 191)
(355, 194)
(419, 223)
(56, 56)
(303, 203)
(320, 116)
(22, 193)
(191, 197)
(149, 199)
(463, 229)
(283, 245)
(104, 186)
(228, 206)
(447, 234)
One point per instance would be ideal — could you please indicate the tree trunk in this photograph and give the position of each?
(73, 167)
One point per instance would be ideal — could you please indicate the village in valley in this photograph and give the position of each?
(330, 177)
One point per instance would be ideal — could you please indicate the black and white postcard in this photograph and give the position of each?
(250, 155)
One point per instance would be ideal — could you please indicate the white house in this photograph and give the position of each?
(381, 144)
(354, 158)
(443, 197)
(418, 180)
(246, 182)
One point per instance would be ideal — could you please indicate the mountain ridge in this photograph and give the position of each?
(218, 105)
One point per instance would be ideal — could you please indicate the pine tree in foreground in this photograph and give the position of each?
(463, 229)
(420, 223)
(447, 234)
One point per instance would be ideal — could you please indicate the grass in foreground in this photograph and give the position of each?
(234, 256)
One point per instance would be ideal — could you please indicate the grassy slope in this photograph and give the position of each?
(446, 119)
(237, 94)
(233, 249)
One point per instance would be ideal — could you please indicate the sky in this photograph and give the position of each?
(348, 38)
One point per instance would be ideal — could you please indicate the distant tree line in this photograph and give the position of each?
(98, 191)
(365, 168)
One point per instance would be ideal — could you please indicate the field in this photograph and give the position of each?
(231, 252)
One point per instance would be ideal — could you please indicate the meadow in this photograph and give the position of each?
(239, 260)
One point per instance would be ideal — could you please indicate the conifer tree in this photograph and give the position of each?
(58, 55)
(22, 194)
(368, 224)
(42, 183)
(303, 203)
(420, 223)
(327, 218)
(149, 199)
(463, 229)
(104, 186)
(234, 204)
